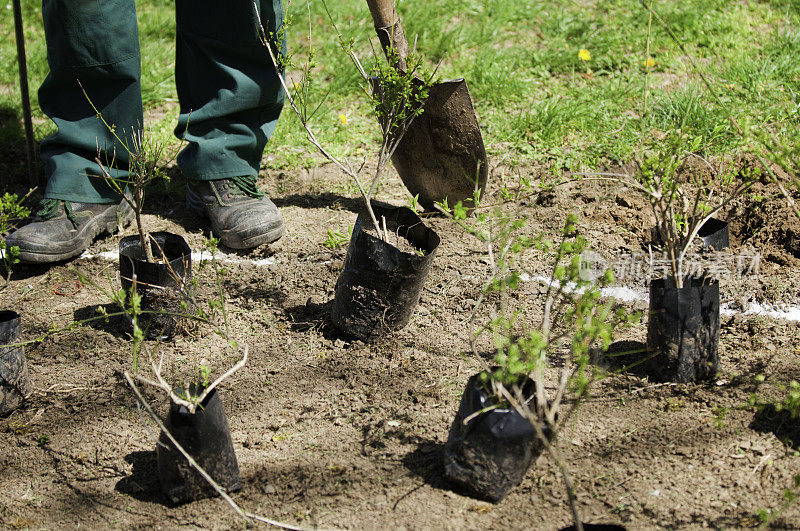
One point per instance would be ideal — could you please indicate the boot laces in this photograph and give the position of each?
(246, 185)
(50, 208)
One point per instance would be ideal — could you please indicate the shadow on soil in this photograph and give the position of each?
(81, 500)
(255, 292)
(779, 423)
(290, 483)
(323, 200)
(624, 357)
(427, 463)
(94, 317)
(314, 316)
(22, 271)
(142, 484)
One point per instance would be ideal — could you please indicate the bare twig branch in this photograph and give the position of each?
(526, 412)
(221, 491)
(193, 402)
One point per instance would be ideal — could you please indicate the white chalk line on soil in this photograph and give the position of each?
(196, 258)
(786, 312)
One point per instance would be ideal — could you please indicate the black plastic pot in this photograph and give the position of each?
(380, 285)
(205, 436)
(14, 382)
(490, 454)
(162, 285)
(683, 330)
(714, 233)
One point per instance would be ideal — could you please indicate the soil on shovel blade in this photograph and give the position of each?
(333, 433)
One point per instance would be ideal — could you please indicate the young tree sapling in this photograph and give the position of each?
(574, 321)
(397, 97)
(682, 204)
(147, 159)
(11, 210)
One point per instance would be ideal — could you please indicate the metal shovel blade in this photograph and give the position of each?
(442, 155)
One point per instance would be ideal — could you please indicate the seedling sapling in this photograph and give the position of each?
(397, 96)
(147, 159)
(681, 212)
(215, 317)
(682, 203)
(11, 210)
(186, 396)
(574, 319)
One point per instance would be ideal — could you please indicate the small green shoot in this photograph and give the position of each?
(337, 238)
(11, 211)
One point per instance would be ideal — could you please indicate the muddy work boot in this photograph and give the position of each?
(64, 229)
(242, 217)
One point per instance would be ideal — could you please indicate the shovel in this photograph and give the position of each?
(441, 155)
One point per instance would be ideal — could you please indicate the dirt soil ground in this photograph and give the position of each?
(335, 433)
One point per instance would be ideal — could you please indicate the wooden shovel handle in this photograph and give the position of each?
(390, 30)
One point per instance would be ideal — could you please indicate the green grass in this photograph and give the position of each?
(536, 100)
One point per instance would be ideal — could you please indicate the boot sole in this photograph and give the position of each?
(225, 237)
(108, 223)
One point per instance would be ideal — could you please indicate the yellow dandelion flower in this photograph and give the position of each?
(584, 54)
(343, 119)
(649, 62)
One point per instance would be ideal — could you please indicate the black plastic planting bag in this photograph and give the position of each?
(162, 285)
(14, 382)
(205, 436)
(380, 285)
(490, 454)
(683, 330)
(715, 233)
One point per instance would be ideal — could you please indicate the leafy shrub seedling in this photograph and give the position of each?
(397, 97)
(574, 320)
(11, 210)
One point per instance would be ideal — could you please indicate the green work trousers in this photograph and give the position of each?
(229, 93)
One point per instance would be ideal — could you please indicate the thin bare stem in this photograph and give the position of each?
(390, 140)
(216, 486)
(562, 388)
(478, 413)
(191, 405)
(535, 422)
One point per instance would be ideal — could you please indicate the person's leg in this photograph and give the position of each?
(92, 45)
(230, 99)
